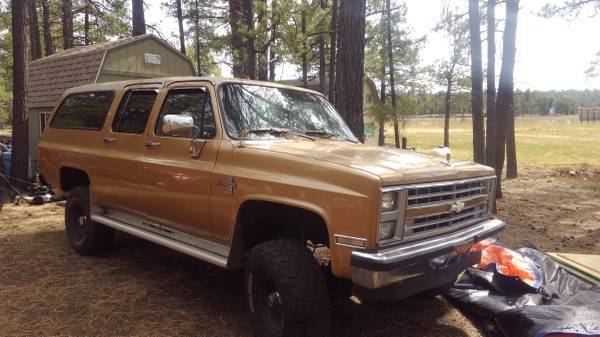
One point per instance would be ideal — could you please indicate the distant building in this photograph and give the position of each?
(144, 56)
(370, 98)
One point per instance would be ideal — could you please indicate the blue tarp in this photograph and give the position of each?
(6, 158)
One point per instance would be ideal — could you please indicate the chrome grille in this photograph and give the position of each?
(419, 197)
(429, 209)
(452, 204)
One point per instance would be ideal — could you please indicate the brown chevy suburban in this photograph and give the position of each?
(268, 178)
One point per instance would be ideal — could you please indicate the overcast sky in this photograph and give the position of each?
(551, 53)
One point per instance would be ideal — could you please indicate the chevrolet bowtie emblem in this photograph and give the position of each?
(457, 206)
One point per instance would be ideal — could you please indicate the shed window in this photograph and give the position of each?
(134, 111)
(190, 102)
(83, 111)
(43, 121)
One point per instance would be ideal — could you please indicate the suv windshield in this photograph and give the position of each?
(252, 110)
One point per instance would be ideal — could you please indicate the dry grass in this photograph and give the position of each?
(142, 289)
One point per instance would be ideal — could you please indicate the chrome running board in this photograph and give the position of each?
(201, 249)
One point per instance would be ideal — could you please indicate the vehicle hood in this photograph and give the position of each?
(393, 166)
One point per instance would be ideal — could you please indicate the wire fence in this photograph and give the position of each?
(589, 114)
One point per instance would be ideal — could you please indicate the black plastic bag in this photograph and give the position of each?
(563, 303)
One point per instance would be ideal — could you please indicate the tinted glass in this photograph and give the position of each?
(253, 107)
(83, 111)
(190, 102)
(134, 111)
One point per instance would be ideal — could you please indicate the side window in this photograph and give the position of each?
(83, 111)
(134, 111)
(190, 102)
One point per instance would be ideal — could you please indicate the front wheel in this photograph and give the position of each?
(287, 293)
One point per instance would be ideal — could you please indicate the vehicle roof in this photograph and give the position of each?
(164, 82)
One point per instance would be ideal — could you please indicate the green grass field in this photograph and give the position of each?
(541, 141)
(5, 132)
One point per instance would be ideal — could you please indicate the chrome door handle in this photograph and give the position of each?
(151, 144)
(109, 140)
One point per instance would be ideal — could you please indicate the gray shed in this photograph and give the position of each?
(144, 56)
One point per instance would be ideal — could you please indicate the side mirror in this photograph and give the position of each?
(179, 126)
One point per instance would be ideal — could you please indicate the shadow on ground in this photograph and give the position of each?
(139, 288)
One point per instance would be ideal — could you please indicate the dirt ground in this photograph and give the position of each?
(142, 289)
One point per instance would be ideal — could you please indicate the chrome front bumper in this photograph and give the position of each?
(414, 261)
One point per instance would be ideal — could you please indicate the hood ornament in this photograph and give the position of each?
(442, 151)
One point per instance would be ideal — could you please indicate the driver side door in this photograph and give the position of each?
(175, 185)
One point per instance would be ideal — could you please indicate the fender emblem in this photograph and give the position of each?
(457, 206)
(228, 183)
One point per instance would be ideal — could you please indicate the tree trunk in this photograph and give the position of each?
(390, 52)
(67, 23)
(34, 31)
(505, 101)
(48, 43)
(237, 41)
(197, 39)
(490, 158)
(511, 147)
(381, 139)
(333, 50)
(86, 24)
(272, 52)
(248, 16)
(350, 64)
(262, 62)
(20, 135)
(476, 82)
(322, 58)
(139, 23)
(447, 101)
(180, 23)
(304, 45)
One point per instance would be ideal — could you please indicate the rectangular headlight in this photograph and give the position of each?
(388, 201)
(386, 229)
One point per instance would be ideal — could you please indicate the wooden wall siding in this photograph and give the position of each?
(128, 62)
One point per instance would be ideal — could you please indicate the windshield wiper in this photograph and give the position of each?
(275, 132)
(327, 134)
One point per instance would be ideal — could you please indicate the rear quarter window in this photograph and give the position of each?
(83, 111)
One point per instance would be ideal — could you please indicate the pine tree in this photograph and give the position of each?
(20, 136)
(476, 82)
(138, 20)
(350, 64)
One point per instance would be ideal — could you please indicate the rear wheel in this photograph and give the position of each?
(84, 235)
(287, 292)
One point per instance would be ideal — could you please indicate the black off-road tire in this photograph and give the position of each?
(84, 235)
(300, 291)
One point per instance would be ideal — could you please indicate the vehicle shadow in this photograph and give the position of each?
(139, 288)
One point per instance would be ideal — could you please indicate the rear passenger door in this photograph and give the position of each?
(119, 181)
(175, 186)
